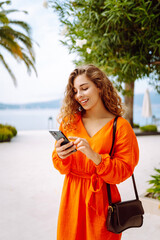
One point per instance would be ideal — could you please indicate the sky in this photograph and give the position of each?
(53, 62)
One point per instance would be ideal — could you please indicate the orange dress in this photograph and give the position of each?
(84, 201)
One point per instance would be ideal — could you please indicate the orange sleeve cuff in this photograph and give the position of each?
(62, 165)
(101, 168)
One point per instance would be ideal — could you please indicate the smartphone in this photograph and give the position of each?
(57, 134)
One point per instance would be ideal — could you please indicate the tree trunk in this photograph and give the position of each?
(129, 101)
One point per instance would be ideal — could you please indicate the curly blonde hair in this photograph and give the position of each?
(71, 108)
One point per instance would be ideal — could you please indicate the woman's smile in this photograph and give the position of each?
(84, 101)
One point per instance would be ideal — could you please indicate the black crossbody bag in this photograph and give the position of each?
(127, 214)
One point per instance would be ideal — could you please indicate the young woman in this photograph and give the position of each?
(90, 105)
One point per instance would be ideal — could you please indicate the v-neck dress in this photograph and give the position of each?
(84, 200)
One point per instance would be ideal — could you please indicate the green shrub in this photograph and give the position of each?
(12, 129)
(5, 134)
(155, 182)
(135, 125)
(149, 128)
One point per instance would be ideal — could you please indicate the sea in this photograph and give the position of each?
(30, 119)
(46, 118)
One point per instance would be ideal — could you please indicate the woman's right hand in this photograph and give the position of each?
(62, 151)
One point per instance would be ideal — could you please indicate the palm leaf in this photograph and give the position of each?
(29, 63)
(3, 18)
(17, 43)
(5, 2)
(8, 69)
(22, 24)
(14, 10)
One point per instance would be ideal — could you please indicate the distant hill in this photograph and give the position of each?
(138, 100)
(36, 105)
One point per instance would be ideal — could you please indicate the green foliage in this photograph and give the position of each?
(5, 135)
(17, 43)
(12, 129)
(149, 128)
(135, 125)
(123, 37)
(7, 132)
(155, 182)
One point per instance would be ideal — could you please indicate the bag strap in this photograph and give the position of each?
(133, 179)
(114, 134)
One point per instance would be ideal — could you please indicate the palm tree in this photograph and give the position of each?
(17, 43)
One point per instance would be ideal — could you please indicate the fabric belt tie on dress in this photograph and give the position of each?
(94, 197)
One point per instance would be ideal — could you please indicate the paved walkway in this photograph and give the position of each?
(30, 188)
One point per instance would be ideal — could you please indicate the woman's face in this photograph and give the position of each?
(86, 92)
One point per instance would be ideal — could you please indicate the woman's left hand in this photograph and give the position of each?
(83, 146)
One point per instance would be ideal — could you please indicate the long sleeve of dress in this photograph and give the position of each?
(125, 157)
(62, 165)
